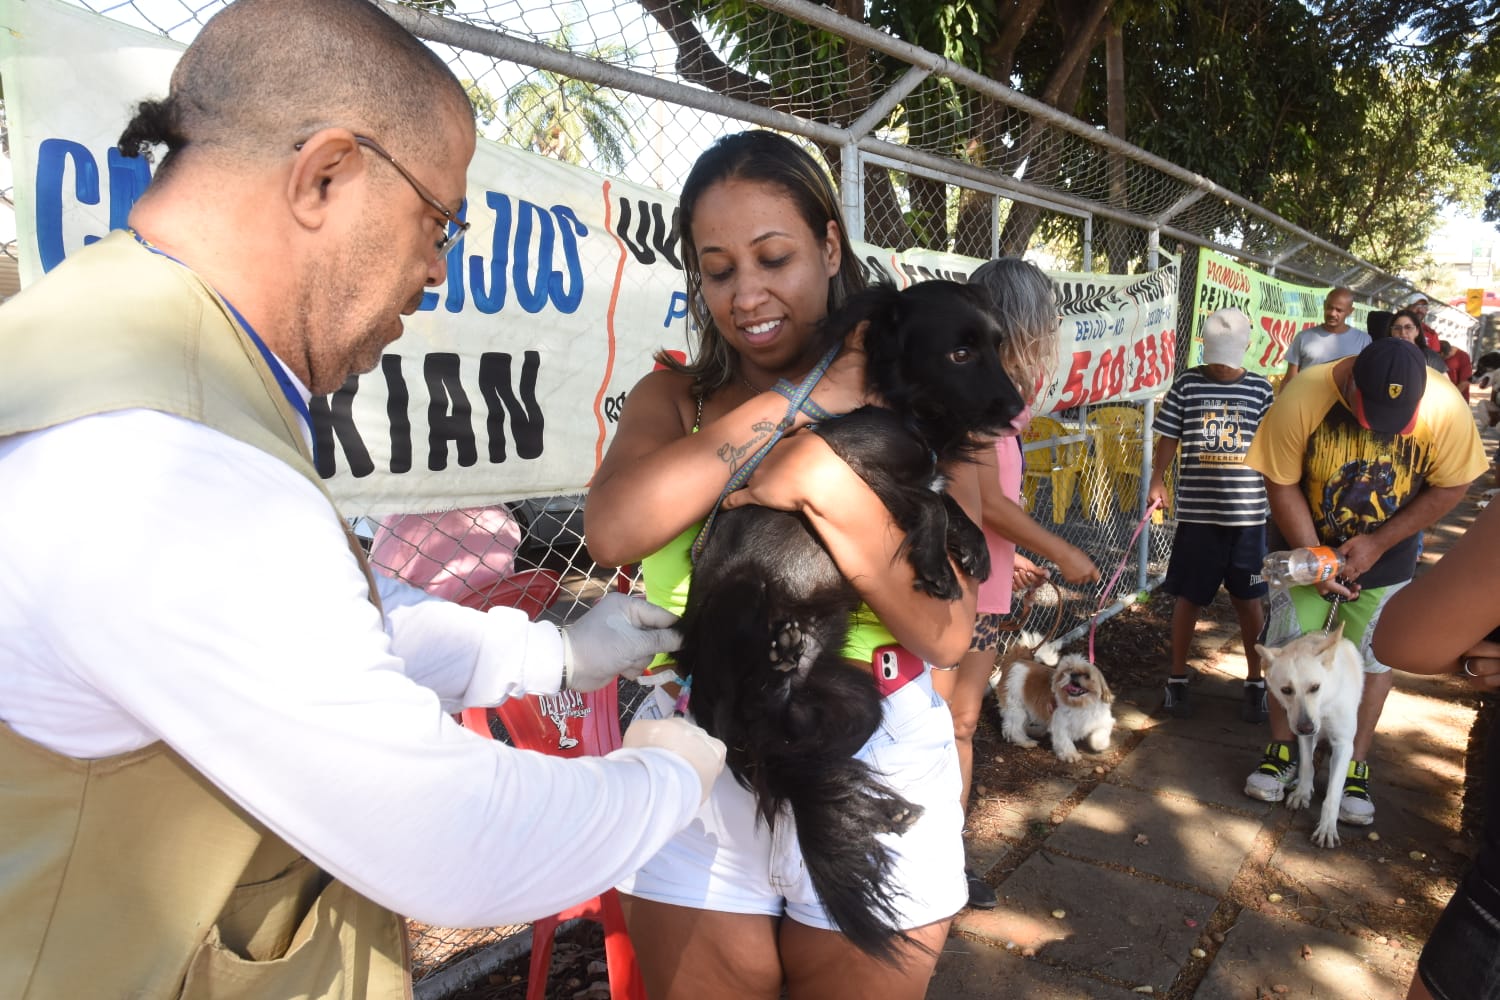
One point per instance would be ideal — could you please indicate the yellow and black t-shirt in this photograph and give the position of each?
(1355, 479)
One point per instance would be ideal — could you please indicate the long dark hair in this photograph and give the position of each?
(768, 158)
(1416, 321)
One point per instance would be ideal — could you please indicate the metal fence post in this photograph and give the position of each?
(1143, 552)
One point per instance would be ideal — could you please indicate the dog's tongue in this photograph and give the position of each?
(1074, 689)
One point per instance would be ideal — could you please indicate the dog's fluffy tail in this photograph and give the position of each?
(840, 805)
(792, 734)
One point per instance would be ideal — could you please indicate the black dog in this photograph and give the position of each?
(768, 611)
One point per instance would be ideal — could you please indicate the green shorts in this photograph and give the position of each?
(1299, 610)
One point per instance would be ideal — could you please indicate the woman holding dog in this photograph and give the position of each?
(726, 910)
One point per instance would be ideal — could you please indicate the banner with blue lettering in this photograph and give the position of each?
(508, 381)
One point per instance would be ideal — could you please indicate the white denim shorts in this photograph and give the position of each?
(728, 861)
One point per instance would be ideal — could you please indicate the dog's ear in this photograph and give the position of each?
(1268, 652)
(1105, 694)
(876, 304)
(1330, 643)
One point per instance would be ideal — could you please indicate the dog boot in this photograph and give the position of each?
(981, 896)
(1355, 807)
(1254, 707)
(1176, 702)
(1277, 771)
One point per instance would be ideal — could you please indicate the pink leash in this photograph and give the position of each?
(1109, 588)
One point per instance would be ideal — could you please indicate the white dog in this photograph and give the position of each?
(1318, 679)
(1071, 700)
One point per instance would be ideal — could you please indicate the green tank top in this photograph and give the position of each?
(668, 571)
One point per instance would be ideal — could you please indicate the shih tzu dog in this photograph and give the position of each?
(1071, 701)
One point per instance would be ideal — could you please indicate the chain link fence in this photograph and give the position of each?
(927, 154)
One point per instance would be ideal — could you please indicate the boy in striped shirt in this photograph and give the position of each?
(1211, 413)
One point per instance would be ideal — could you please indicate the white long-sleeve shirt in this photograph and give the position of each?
(162, 581)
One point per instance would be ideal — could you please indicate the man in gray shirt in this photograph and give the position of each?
(1333, 340)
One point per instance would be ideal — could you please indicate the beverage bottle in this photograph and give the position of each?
(1301, 566)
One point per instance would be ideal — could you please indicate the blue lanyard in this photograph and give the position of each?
(282, 378)
(277, 369)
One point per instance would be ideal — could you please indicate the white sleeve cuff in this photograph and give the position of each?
(516, 656)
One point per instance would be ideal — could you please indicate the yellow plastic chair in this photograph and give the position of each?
(1060, 465)
(1117, 438)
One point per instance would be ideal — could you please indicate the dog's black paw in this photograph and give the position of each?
(973, 562)
(788, 646)
(938, 581)
(965, 541)
(903, 814)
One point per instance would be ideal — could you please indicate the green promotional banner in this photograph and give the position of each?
(1278, 310)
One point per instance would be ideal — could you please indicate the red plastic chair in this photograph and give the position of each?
(567, 724)
(531, 590)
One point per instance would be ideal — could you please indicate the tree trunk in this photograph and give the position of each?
(1000, 54)
(1042, 158)
(929, 211)
(1121, 244)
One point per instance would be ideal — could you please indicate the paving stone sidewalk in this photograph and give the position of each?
(1159, 875)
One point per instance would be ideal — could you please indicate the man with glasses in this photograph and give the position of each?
(227, 757)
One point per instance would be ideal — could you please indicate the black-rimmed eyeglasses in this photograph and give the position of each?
(455, 227)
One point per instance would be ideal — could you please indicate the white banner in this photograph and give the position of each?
(507, 383)
(1118, 337)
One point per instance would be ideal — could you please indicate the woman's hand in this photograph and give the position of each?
(1025, 574)
(1075, 565)
(800, 466)
(1480, 665)
(842, 387)
(802, 473)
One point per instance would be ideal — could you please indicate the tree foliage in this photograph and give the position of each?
(555, 115)
(1357, 122)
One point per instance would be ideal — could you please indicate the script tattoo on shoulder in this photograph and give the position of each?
(734, 455)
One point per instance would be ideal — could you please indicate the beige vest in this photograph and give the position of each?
(133, 875)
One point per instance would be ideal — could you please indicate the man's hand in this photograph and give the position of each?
(1360, 553)
(619, 635)
(1340, 585)
(686, 740)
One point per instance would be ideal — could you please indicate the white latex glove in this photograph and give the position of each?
(686, 740)
(619, 635)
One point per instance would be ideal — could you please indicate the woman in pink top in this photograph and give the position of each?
(1027, 312)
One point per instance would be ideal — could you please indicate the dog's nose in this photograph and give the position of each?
(1306, 727)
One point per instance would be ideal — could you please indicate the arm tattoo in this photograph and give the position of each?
(734, 455)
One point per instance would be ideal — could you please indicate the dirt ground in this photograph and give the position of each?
(1139, 639)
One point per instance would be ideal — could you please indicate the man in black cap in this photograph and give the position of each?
(1361, 454)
